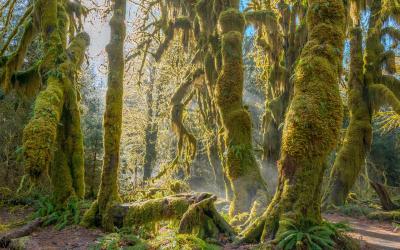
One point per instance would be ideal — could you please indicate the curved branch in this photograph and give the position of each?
(392, 83)
(180, 23)
(260, 18)
(178, 103)
(380, 92)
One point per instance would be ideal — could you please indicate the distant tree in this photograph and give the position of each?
(92, 92)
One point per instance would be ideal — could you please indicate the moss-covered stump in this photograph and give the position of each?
(312, 126)
(196, 213)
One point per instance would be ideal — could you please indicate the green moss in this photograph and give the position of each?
(181, 241)
(156, 210)
(231, 20)
(40, 134)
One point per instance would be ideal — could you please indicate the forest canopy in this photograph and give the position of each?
(200, 124)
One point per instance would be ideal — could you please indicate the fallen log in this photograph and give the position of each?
(196, 212)
(20, 232)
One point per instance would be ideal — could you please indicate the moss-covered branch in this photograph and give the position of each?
(379, 93)
(185, 138)
(13, 62)
(196, 213)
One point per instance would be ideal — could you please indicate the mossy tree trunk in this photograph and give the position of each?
(241, 165)
(357, 141)
(312, 124)
(369, 89)
(99, 213)
(53, 139)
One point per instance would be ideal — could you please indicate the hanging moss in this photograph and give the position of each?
(27, 82)
(13, 62)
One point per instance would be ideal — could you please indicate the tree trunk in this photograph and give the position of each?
(151, 132)
(108, 194)
(357, 141)
(215, 162)
(312, 125)
(241, 166)
(365, 73)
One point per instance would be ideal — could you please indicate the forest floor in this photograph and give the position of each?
(373, 235)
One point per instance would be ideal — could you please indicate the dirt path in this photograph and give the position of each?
(49, 238)
(374, 235)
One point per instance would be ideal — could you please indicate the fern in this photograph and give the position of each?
(61, 218)
(315, 237)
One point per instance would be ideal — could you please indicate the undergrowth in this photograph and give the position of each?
(60, 217)
(127, 239)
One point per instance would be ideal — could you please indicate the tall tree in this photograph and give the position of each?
(369, 89)
(312, 125)
(109, 193)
